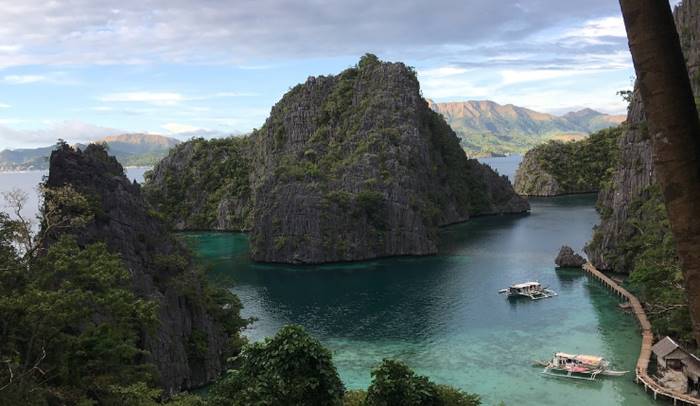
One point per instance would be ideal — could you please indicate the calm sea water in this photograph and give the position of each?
(442, 314)
(505, 166)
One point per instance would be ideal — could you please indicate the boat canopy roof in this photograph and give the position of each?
(525, 285)
(585, 359)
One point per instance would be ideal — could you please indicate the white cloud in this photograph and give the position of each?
(158, 98)
(191, 31)
(176, 128)
(442, 72)
(71, 131)
(229, 94)
(601, 27)
(165, 98)
(510, 77)
(9, 48)
(4, 106)
(23, 79)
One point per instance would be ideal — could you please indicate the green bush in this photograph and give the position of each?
(395, 384)
(354, 398)
(291, 368)
(72, 315)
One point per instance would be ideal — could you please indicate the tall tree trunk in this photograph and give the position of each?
(674, 129)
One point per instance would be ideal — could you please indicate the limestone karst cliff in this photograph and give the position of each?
(633, 182)
(193, 334)
(347, 167)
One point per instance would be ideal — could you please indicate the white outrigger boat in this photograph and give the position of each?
(532, 290)
(586, 367)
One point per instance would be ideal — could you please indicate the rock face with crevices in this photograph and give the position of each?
(568, 258)
(159, 265)
(560, 168)
(356, 166)
(633, 181)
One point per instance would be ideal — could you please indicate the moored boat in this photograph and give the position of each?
(532, 290)
(586, 367)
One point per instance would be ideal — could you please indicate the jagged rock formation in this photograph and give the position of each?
(487, 128)
(351, 167)
(567, 258)
(559, 168)
(187, 345)
(204, 185)
(633, 181)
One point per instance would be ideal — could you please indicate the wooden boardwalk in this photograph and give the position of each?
(641, 371)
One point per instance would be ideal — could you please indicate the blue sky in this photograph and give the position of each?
(83, 69)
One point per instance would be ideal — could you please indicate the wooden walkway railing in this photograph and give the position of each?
(641, 371)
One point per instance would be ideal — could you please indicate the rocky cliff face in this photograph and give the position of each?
(187, 345)
(532, 179)
(559, 168)
(357, 166)
(633, 179)
(204, 185)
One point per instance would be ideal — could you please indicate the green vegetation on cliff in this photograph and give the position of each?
(557, 168)
(346, 167)
(103, 305)
(656, 276)
(191, 183)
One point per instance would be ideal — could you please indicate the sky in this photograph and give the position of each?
(83, 69)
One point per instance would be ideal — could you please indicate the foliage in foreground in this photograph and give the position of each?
(293, 368)
(72, 325)
(395, 384)
(290, 368)
(69, 325)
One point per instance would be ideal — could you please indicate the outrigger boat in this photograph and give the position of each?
(586, 367)
(532, 290)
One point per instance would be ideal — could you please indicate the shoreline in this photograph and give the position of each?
(641, 370)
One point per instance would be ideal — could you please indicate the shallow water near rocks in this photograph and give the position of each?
(442, 314)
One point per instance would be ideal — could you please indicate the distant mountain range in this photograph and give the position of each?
(488, 128)
(130, 150)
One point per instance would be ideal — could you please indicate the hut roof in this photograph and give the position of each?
(664, 347)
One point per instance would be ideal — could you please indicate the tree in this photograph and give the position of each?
(15, 200)
(291, 368)
(69, 325)
(395, 384)
(674, 128)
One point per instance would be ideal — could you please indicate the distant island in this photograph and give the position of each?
(560, 168)
(486, 128)
(130, 150)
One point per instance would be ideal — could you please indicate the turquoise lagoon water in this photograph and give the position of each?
(442, 314)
